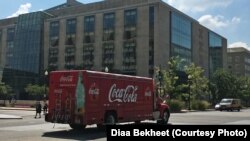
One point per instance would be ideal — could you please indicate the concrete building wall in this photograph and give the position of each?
(162, 35)
(62, 36)
(119, 29)
(200, 51)
(142, 47)
(79, 41)
(98, 41)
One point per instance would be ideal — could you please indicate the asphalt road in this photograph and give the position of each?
(30, 129)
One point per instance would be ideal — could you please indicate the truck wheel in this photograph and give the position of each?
(100, 126)
(165, 117)
(110, 119)
(77, 126)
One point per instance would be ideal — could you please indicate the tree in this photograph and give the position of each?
(245, 90)
(5, 91)
(197, 82)
(170, 78)
(224, 85)
(36, 90)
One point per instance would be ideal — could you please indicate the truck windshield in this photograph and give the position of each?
(226, 101)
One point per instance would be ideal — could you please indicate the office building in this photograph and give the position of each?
(239, 61)
(125, 36)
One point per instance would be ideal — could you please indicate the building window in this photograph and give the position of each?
(10, 34)
(70, 58)
(53, 58)
(130, 22)
(88, 57)
(54, 34)
(108, 26)
(215, 52)
(129, 58)
(71, 26)
(89, 29)
(229, 59)
(70, 32)
(237, 59)
(108, 55)
(54, 28)
(151, 41)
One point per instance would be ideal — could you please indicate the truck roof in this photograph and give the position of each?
(98, 72)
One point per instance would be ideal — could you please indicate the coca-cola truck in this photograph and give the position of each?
(81, 97)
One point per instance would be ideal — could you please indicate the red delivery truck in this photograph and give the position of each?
(82, 97)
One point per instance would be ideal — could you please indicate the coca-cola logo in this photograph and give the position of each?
(66, 79)
(93, 89)
(123, 95)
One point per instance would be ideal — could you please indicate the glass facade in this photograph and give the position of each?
(215, 53)
(1, 54)
(181, 38)
(28, 43)
(24, 60)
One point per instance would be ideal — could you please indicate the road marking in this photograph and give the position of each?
(240, 122)
(44, 127)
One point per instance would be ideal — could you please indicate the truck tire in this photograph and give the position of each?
(164, 119)
(110, 119)
(77, 126)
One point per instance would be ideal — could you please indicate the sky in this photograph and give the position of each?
(229, 18)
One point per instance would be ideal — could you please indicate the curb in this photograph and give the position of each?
(2, 116)
(16, 108)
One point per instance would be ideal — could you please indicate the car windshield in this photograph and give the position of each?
(226, 101)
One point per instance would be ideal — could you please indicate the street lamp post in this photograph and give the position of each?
(45, 76)
(189, 93)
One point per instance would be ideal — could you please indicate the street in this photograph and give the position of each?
(30, 129)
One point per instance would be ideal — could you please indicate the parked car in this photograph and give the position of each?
(228, 104)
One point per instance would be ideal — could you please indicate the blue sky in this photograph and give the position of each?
(229, 18)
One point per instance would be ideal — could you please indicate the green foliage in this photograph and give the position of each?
(197, 83)
(200, 105)
(176, 105)
(5, 92)
(36, 90)
(170, 78)
(225, 85)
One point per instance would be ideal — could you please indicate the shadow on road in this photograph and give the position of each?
(86, 134)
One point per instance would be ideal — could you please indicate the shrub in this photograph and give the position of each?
(176, 105)
(200, 105)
